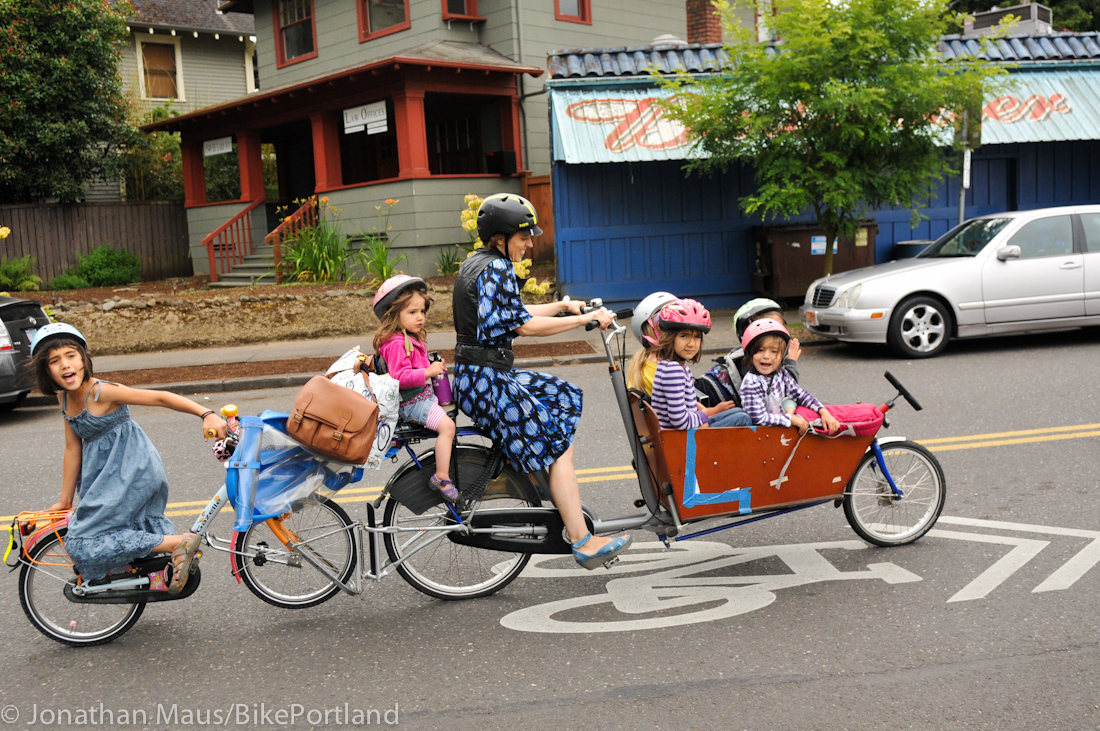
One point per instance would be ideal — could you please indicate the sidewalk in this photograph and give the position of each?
(720, 340)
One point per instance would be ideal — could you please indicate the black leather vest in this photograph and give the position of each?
(464, 310)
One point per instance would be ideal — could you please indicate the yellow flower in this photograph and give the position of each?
(4, 232)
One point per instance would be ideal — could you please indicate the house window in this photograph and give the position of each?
(295, 34)
(382, 17)
(368, 157)
(461, 9)
(574, 11)
(160, 71)
(461, 131)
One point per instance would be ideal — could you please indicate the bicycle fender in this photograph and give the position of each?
(409, 485)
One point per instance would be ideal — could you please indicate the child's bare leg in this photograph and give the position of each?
(169, 543)
(567, 498)
(443, 445)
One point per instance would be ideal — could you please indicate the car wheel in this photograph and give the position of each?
(919, 328)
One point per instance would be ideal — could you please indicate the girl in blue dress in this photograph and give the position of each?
(110, 464)
(532, 416)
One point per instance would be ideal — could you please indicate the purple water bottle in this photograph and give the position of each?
(441, 384)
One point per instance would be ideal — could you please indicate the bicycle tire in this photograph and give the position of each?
(876, 514)
(71, 623)
(432, 563)
(261, 560)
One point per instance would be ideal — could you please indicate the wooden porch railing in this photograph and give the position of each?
(304, 217)
(231, 242)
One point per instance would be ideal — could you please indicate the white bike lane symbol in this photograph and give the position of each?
(678, 582)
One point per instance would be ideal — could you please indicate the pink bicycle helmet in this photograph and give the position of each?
(393, 288)
(684, 314)
(760, 328)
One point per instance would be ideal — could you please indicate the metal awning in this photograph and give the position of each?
(594, 125)
(1045, 106)
(615, 125)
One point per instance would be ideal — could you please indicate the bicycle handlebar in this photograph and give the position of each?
(903, 391)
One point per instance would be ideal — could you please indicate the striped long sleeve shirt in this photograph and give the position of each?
(762, 397)
(674, 397)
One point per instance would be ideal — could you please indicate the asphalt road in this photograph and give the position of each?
(988, 622)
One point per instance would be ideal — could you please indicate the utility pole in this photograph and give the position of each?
(964, 182)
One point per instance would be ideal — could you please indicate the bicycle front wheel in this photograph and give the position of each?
(877, 514)
(286, 578)
(435, 565)
(42, 594)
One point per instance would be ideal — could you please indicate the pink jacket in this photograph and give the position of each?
(407, 369)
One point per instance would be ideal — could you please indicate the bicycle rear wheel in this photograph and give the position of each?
(876, 514)
(284, 578)
(41, 593)
(435, 565)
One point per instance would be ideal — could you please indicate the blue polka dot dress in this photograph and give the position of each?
(531, 415)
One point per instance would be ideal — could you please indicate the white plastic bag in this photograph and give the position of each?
(383, 390)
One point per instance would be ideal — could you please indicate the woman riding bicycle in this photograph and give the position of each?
(531, 416)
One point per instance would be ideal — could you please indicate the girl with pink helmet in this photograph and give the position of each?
(767, 384)
(401, 306)
(683, 323)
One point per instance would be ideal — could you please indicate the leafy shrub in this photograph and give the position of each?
(106, 266)
(317, 253)
(375, 258)
(449, 260)
(17, 275)
(70, 280)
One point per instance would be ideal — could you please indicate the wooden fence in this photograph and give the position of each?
(55, 233)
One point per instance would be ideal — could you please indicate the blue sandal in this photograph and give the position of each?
(606, 556)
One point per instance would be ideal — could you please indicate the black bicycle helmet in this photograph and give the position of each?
(506, 213)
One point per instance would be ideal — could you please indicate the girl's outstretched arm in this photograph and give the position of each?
(118, 394)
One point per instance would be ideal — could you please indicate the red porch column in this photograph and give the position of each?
(251, 162)
(326, 150)
(412, 133)
(510, 130)
(194, 179)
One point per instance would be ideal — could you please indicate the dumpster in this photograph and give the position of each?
(789, 257)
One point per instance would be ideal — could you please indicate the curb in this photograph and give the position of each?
(261, 383)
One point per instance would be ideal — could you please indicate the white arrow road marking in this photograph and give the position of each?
(1070, 571)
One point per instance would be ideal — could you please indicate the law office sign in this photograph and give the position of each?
(219, 146)
(371, 117)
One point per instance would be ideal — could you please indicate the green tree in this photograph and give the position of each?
(1075, 15)
(842, 116)
(152, 166)
(62, 110)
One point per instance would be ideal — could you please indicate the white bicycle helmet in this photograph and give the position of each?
(647, 311)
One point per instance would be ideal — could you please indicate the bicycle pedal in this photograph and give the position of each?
(611, 562)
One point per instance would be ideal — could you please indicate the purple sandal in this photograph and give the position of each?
(445, 488)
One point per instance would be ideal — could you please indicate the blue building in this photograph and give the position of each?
(629, 221)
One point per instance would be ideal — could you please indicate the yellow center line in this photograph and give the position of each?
(609, 478)
(1001, 442)
(998, 435)
(597, 470)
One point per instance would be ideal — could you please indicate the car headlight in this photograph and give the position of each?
(842, 300)
(853, 295)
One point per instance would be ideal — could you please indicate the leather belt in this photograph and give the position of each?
(488, 356)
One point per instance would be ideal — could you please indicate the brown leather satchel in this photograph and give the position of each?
(333, 421)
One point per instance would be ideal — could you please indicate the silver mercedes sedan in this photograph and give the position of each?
(1023, 271)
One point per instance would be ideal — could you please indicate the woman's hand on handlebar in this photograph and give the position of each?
(603, 316)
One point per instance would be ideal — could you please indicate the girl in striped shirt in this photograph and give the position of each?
(682, 324)
(766, 385)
